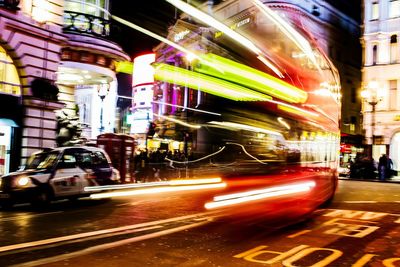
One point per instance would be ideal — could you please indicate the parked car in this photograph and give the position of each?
(344, 171)
(57, 173)
(363, 168)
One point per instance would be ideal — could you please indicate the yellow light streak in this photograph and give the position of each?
(195, 126)
(178, 106)
(240, 126)
(158, 190)
(154, 184)
(252, 78)
(196, 181)
(123, 186)
(296, 110)
(208, 84)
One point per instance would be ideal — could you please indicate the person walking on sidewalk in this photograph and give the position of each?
(382, 167)
(389, 168)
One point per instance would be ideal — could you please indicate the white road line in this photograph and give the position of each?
(87, 239)
(109, 245)
(99, 232)
(24, 216)
(360, 201)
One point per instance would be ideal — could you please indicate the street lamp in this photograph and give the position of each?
(102, 92)
(372, 95)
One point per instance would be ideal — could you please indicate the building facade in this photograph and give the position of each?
(55, 59)
(381, 78)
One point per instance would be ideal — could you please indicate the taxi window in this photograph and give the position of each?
(68, 161)
(42, 161)
(99, 160)
(84, 159)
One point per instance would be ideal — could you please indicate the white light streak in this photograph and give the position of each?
(209, 20)
(284, 123)
(238, 198)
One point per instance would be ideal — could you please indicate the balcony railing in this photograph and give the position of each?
(10, 4)
(81, 23)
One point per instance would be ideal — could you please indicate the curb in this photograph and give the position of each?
(397, 181)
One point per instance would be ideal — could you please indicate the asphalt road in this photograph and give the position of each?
(360, 228)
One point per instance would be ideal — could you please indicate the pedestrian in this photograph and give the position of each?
(382, 166)
(389, 168)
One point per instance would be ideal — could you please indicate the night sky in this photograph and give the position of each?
(158, 15)
(155, 15)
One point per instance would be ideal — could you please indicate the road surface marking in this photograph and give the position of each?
(99, 232)
(299, 233)
(360, 201)
(110, 245)
(85, 239)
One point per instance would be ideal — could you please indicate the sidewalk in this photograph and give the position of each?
(394, 179)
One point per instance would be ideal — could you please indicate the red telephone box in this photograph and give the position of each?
(120, 148)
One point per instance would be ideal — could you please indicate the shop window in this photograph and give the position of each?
(9, 78)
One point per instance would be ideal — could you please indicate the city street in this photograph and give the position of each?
(361, 227)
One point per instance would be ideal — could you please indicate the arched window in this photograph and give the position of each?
(90, 7)
(88, 16)
(394, 54)
(374, 54)
(9, 78)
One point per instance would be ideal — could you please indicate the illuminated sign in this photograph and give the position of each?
(235, 26)
(397, 118)
(143, 72)
(180, 35)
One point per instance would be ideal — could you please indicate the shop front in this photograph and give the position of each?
(10, 114)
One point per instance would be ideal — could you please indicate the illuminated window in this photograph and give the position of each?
(394, 9)
(9, 79)
(90, 7)
(393, 49)
(375, 11)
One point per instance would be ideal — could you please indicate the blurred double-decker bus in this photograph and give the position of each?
(249, 98)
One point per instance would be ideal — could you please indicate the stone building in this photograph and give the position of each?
(49, 49)
(381, 77)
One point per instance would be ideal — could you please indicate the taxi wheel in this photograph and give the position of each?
(42, 199)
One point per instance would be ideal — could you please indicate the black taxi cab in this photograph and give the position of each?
(57, 173)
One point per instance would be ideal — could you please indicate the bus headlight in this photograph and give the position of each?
(23, 181)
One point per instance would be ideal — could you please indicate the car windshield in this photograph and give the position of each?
(42, 160)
